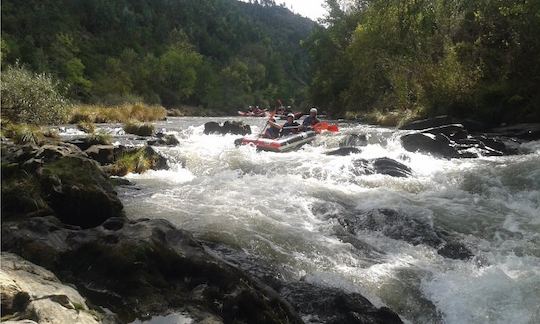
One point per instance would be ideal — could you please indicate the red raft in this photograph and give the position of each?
(281, 144)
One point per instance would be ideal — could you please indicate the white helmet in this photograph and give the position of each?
(313, 110)
(290, 115)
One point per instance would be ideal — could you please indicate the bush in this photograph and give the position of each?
(117, 114)
(86, 127)
(31, 98)
(139, 129)
(23, 134)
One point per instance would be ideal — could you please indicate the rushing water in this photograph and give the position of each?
(266, 204)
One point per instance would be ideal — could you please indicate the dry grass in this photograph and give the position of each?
(117, 114)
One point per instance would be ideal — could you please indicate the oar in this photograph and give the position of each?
(319, 127)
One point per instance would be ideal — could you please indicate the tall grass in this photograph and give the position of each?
(117, 114)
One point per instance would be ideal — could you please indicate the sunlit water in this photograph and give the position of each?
(264, 204)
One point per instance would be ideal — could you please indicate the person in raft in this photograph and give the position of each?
(290, 126)
(273, 130)
(310, 120)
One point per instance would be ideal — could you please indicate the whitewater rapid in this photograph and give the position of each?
(268, 206)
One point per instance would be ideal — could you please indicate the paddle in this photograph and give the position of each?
(319, 127)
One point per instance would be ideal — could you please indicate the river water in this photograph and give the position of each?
(268, 205)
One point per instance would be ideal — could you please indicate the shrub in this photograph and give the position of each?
(86, 127)
(139, 129)
(31, 98)
(117, 114)
(23, 134)
(99, 139)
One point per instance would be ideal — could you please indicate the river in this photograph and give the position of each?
(277, 208)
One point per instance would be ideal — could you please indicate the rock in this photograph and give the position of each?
(49, 152)
(400, 226)
(79, 192)
(330, 305)
(438, 145)
(391, 167)
(529, 132)
(228, 127)
(85, 143)
(343, 151)
(29, 292)
(103, 154)
(165, 140)
(381, 166)
(354, 140)
(136, 160)
(145, 267)
(455, 250)
(438, 121)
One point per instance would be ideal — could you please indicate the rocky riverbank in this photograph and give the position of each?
(64, 232)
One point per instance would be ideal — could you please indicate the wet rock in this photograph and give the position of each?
(438, 145)
(343, 151)
(145, 267)
(165, 140)
(381, 166)
(103, 154)
(391, 167)
(528, 131)
(29, 292)
(330, 305)
(228, 127)
(455, 250)
(438, 121)
(400, 226)
(49, 152)
(354, 140)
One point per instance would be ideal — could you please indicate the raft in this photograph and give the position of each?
(280, 144)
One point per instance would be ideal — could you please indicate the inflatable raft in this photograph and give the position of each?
(281, 144)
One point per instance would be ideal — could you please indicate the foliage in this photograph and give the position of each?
(23, 133)
(139, 129)
(31, 98)
(116, 114)
(162, 52)
(133, 161)
(99, 138)
(86, 127)
(468, 59)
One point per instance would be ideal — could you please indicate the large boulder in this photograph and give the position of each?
(30, 292)
(228, 127)
(333, 306)
(145, 267)
(400, 226)
(453, 141)
(471, 125)
(529, 131)
(59, 180)
(438, 145)
(354, 140)
(79, 192)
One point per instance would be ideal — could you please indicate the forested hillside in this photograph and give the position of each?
(477, 59)
(221, 54)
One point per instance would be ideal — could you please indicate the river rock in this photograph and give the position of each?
(527, 131)
(103, 154)
(61, 181)
(164, 140)
(400, 226)
(380, 166)
(343, 151)
(228, 127)
(331, 305)
(354, 140)
(438, 121)
(32, 293)
(145, 267)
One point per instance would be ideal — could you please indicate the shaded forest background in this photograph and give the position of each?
(478, 59)
(221, 54)
(414, 58)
